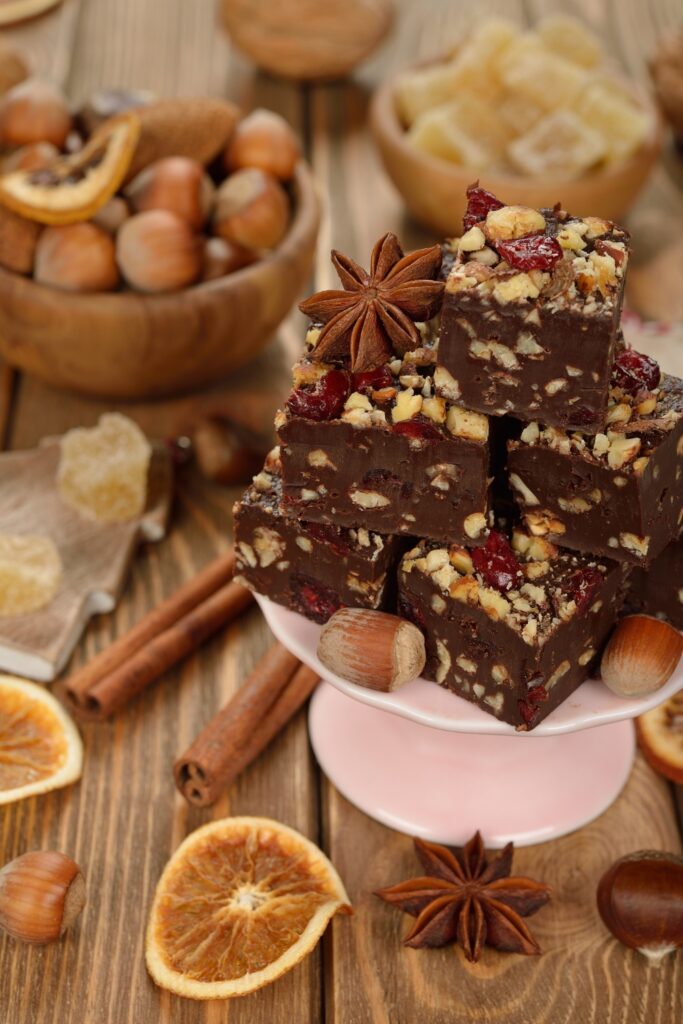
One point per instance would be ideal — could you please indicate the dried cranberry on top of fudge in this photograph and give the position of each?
(379, 449)
(310, 568)
(659, 590)
(514, 627)
(620, 492)
(531, 313)
(365, 441)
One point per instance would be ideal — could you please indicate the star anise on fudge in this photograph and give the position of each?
(468, 897)
(374, 317)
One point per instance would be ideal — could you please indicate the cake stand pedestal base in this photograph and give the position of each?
(444, 786)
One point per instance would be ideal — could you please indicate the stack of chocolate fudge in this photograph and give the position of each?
(470, 443)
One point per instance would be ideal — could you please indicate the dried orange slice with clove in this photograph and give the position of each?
(40, 748)
(240, 902)
(660, 737)
(73, 188)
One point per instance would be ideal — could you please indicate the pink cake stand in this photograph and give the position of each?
(431, 764)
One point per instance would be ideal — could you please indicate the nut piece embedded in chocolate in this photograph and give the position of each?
(531, 313)
(618, 493)
(514, 626)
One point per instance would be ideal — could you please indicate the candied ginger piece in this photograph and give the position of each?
(103, 470)
(622, 124)
(30, 573)
(571, 39)
(541, 77)
(467, 131)
(560, 144)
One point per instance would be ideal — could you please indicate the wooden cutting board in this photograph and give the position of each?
(95, 556)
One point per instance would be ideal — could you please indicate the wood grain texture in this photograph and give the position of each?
(124, 818)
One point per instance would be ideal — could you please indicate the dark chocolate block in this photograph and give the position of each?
(310, 568)
(387, 455)
(514, 633)
(619, 493)
(537, 343)
(659, 590)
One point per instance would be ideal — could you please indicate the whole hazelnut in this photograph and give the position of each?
(34, 111)
(251, 209)
(222, 257)
(77, 257)
(263, 139)
(41, 895)
(158, 251)
(33, 157)
(177, 184)
(112, 215)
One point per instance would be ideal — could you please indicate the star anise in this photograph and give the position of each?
(374, 316)
(469, 897)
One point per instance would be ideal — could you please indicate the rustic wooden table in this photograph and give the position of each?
(125, 817)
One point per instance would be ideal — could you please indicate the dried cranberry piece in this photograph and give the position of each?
(634, 371)
(582, 586)
(479, 203)
(327, 534)
(314, 599)
(496, 562)
(581, 416)
(530, 252)
(425, 430)
(407, 610)
(528, 708)
(379, 477)
(373, 380)
(323, 400)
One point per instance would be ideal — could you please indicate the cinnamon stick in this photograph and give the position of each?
(178, 604)
(270, 696)
(112, 691)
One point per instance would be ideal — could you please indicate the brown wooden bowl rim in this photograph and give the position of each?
(386, 125)
(304, 219)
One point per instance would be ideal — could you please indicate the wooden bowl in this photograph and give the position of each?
(434, 190)
(131, 345)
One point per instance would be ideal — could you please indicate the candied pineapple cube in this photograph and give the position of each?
(103, 470)
(621, 123)
(570, 39)
(466, 131)
(560, 144)
(417, 91)
(542, 78)
(30, 573)
(519, 114)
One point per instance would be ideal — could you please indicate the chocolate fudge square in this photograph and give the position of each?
(658, 590)
(307, 567)
(513, 627)
(619, 493)
(530, 315)
(381, 450)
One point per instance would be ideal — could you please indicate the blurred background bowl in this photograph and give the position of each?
(434, 189)
(132, 345)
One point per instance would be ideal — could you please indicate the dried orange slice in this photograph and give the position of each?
(73, 188)
(40, 748)
(660, 737)
(240, 902)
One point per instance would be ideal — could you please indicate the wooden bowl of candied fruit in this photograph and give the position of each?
(487, 112)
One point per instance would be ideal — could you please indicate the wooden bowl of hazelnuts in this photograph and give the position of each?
(146, 247)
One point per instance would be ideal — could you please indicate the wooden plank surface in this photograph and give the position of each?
(124, 818)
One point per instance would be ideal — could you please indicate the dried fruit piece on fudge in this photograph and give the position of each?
(392, 456)
(659, 590)
(514, 627)
(619, 493)
(311, 568)
(530, 316)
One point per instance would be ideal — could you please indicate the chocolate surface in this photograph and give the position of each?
(659, 590)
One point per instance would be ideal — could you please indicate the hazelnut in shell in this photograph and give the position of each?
(41, 895)
(112, 215)
(221, 258)
(34, 111)
(640, 656)
(176, 183)
(263, 139)
(158, 251)
(640, 899)
(251, 210)
(372, 649)
(33, 157)
(76, 257)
